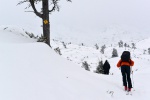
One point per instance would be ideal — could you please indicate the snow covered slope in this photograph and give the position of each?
(33, 71)
(12, 34)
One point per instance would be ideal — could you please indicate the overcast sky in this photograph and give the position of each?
(81, 15)
(94, 13)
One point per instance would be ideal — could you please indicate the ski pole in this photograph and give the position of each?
(133, 81)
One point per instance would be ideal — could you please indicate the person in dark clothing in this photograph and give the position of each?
(126, 71)
(106, 67)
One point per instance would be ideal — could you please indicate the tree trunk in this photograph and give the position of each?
(45, 18)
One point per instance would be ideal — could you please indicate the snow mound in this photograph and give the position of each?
(11, 34)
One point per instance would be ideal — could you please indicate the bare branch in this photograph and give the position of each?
(69, 0)
(28, 11)
(33, 7)
(21, 2)
(33, 2)
(55, 5)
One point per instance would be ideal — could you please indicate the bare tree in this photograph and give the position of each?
(44, 14)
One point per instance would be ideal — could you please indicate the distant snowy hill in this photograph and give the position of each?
(105, 35)
(144, 44)
(78, 53)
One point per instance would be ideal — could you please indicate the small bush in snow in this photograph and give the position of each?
(41, 39)
(128, 46)
(114, 53)
(5, 28)
(125, 45)
(31, 35)
(102, 49)
(133, 46)
(82, 44)
(120, 43)
(85, 65)
(57, 50)
(148, 50)
(97, 47)
(99, 68)
(64, 45)
(144, 51)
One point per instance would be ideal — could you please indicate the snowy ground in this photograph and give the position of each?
(33, 71)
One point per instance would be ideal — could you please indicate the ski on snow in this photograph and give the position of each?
(128, 93)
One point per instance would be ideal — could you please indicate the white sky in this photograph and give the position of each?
(81, 15)
(92, 14)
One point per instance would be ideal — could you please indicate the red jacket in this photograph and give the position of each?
(121, 63)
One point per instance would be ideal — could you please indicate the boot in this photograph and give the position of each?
(129, 89)
(125, 88)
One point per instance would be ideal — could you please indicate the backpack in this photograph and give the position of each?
(125, 57)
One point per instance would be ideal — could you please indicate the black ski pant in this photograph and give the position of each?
(125, 70)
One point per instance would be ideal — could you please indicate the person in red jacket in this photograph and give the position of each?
(125, 70)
